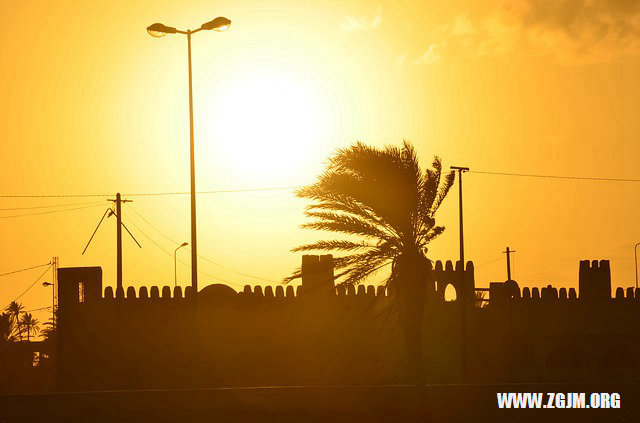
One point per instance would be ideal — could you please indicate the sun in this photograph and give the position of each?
(270, 125)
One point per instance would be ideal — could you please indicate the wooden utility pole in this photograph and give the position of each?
(508, 252)
(118, 201)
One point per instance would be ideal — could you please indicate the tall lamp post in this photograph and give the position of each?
(160, 30)
(53, 303)
(463, 308)
(175, 263)
(635, 256)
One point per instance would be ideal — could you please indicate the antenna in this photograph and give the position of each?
(119, 225)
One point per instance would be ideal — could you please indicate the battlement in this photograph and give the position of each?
(78, 285)
(147, 293)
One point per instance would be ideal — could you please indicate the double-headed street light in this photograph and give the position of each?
(160, 30)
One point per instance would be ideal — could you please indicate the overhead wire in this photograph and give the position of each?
(531, 175)
(181, 261)
(152, 194)
(46, 207)
(200, 256)
(292, 187)
(37, 309)
(25, 269)
(49, 212)
(30, 286)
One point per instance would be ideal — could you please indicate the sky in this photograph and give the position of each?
(91, 104)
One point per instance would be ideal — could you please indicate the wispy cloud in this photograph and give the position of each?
(567, 31)
(361, 23)
(430, 56)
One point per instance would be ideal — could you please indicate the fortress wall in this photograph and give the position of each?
(285, 335)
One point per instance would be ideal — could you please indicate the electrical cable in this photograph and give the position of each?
(30, 286)
(581, 178)
(49, 212)
(152, 194)
(25, 269)
(181, 261)
(202, 257)
(47, 207)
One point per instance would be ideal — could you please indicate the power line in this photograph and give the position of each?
(292, 187)
(37, 309)
(30, 286)
(487, 263)
(581, 178)
(153, 194)
(46, 207)
(25, 269)
(49, 212)
(182, 262)
(202, 257)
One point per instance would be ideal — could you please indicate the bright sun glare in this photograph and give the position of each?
(270, 125)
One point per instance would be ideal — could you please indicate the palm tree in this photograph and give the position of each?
(7, 328)
(49, 332)
(385, 205)
(30, 324)
(14, 310)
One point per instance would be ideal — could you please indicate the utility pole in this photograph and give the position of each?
(108, 213)
(118, 201)
(463, 309)
(508, 252)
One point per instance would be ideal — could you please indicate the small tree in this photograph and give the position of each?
(7, 328)
(14, 310)
(29, 324)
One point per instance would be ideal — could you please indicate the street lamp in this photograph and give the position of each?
(463, 309)
(635, 256)
(175, 269)
(160, 30)
(53, 303)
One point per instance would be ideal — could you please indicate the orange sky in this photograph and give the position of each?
(92, 104)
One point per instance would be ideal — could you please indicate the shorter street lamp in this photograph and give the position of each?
(53, 303)
(175, 263)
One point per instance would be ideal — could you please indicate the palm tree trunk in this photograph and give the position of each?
(410, 314)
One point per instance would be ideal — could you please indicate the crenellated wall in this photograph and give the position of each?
(322, 334)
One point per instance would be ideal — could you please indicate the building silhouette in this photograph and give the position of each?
(320, 334)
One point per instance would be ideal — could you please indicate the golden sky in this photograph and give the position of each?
(92, 104)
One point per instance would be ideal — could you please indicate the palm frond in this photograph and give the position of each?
(335, 222)
(443, 191)
(333, 245)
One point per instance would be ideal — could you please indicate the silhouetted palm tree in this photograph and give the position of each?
(7, 328)
(29, 324)
(14, 310)
(49, 332)
(385, 204)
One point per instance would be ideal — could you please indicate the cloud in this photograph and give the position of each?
(430, 56)
(401, 60)
(361, 23)
(567, 31)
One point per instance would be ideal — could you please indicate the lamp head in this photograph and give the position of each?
(160, 30)
(218, 24)
(184, 244)
(47, 284)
